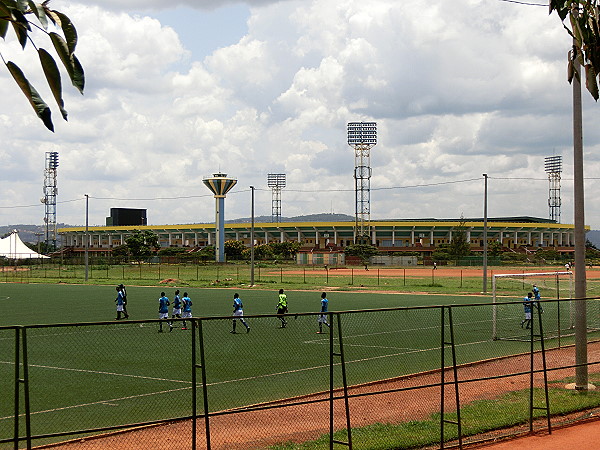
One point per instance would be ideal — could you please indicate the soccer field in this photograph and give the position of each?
(96, 375)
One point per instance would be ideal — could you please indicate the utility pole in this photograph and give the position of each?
(485, 243)
(581, 370)
(87, 237)
(252, 241)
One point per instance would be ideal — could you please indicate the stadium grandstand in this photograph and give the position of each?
(519, 234)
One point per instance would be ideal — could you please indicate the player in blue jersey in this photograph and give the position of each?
(176, 306)
(323, 317)
(536, 293)
(163, 311)
(528, 304)
(238, 313)
(120, 304)
(187, 309)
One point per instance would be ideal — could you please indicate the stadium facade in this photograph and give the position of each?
(423, 236)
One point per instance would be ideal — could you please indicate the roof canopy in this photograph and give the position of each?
(12, 247)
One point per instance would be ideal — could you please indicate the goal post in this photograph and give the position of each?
(515, 286)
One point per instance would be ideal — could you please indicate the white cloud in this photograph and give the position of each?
(457, 89)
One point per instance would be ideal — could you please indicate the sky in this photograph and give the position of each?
(179, 90)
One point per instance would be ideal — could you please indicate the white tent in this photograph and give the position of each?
(12, 247)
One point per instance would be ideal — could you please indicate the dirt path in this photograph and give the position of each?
(258, 429)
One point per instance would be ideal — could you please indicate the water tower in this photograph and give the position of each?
(219, 185)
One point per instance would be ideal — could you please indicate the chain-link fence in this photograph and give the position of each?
(391, 378)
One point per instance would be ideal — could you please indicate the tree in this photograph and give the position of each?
(285, 250)
(495, 249)
(234, 249)
(363, 251)
(16, 13)
(142, 244)
(584, 19)
(459, 245)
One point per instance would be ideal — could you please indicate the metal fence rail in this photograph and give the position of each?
(121, 384)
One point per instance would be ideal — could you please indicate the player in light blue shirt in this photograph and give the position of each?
(238, 313)
(176, 306)
(163, 311)
(323, 317)
(187, 309)
(120, 301)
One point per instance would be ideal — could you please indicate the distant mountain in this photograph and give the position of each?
(323, 217)
(28, 233)
(594, 237)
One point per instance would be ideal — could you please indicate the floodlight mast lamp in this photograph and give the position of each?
(362, 136)
(276, 181)
(49, 199)
(553, 166)
(219, 185)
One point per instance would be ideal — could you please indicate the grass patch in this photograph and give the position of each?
(478, 417)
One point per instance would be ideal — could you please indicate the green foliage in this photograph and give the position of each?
(285, 250)
(441, 253)
(363, 251)
(264, 251)
(584, 21)
(142, 244)
(494, 249)
(459, 245)
(171, 251)
(548, 255)
(16, 13)
(234, 249)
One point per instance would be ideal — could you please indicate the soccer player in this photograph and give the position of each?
(119, 302)
(282, 308)
(163, 311)
(238, 313)
(536, 293)
(124, 292)
(187, 309)
(323, 317)
(176, 306)
(527, 306)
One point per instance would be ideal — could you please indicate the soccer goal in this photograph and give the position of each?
(558, 316)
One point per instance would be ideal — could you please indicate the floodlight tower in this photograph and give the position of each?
(362, 136)
(219, 185)
(49, 199)
(276, 181)
(553, 166)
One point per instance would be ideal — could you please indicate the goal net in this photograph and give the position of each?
(558, 317)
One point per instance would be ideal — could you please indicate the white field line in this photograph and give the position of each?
(111, 402)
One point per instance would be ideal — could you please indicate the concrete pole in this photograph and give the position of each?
(485, 243)
(252, 241)
(581, 371)
(87, 237)
(220, 229)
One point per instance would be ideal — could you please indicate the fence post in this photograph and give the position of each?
(281, 274)
(378, 276)
(444, 343)
(21, 335)
(405, 276)
(342, 363)
(352, 276)
(304, 269)
(202, 366)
